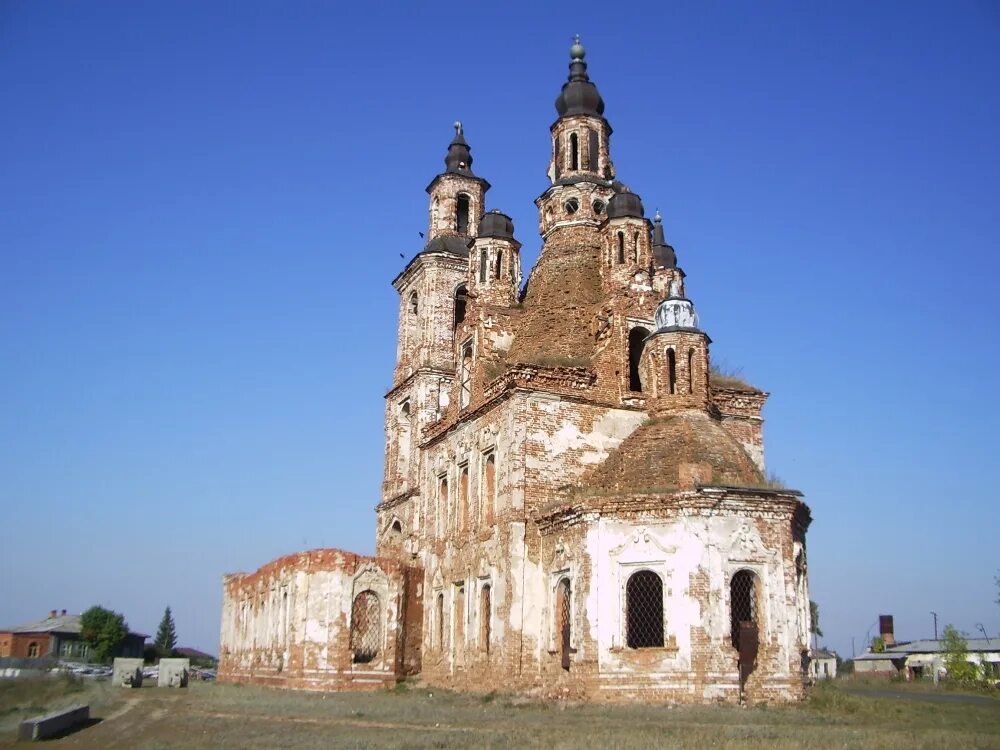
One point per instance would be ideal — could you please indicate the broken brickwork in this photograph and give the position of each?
(569, 504)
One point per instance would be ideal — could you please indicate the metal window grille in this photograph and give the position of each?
(644, 610)
(742, 603)
(366, 627)
(564, 619)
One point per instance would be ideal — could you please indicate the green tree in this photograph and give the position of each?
(814, 620)
(166, 635)
(956, 656)
(104, 630)
(878, 645)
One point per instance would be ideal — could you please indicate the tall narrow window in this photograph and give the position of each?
(463, 498)
(32, 650)
(594, 152)
(564, 619)
(742, 603)
(585, 156)
(366, 627)
(498, 270)
(413, 303)
(439, 621)
(489, 489)
(621, 247)
(462, 214)
(466, 375)
(484, 262)
(690, 370)
(485, 613)
(461, 294)
(635, 247)
(442, 504)
(459, 643)
(574, 151)
(636, 341)
(671, 371)
(644, 610)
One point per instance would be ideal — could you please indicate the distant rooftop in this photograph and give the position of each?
(56, 623)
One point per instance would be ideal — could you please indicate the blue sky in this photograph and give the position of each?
(202, 206)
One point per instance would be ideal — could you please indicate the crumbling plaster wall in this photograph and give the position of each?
(289, 623)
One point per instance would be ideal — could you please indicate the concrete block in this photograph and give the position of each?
(49, 725)
(174, 672)
(127, 672)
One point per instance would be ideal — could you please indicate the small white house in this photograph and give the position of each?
(823, 665)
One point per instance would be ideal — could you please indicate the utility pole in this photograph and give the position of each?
(935, 625)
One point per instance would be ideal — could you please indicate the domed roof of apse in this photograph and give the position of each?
(579, 96)
(496, 224)
(667, 452)
(624, 204)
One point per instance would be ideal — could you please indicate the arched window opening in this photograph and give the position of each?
(635, 247)
(499, 265)
(32, 650)
(462, 213)
(485, 615)
(439, 621)
(489, 489)
(574, 151)
(690, 370)
(671, 372)
(404, 410)
(461, 296)
(564, 619)
(413, 303)
(463, 498)
(442, 504)
(644, 610)
(594, 151)
(621, 247)
(742, 603)
(396, 528)
(366, 627)
(572, 206)
(466, 375)
(585, 156)
(636, 342)
(459, 642)
(484, 262)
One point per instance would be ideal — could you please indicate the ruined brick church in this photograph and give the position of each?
(573, 503)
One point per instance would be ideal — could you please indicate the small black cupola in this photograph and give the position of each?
(663, 254)
(579, 95)
(496, 224)
(625, 203)
(459, 157)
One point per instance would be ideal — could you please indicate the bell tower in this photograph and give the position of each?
(457, 195)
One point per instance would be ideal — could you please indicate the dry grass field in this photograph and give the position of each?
(228, 716)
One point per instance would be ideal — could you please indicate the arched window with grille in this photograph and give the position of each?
(644, 610)
(742, 603)
(564, 620)
(366, 627)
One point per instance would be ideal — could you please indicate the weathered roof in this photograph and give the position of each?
(69, 624)
(675, 451)
(930, 646)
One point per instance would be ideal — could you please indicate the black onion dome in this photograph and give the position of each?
(663, 254)
(579, 96)
(459, 157)
(496, 224)
(625, 204)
